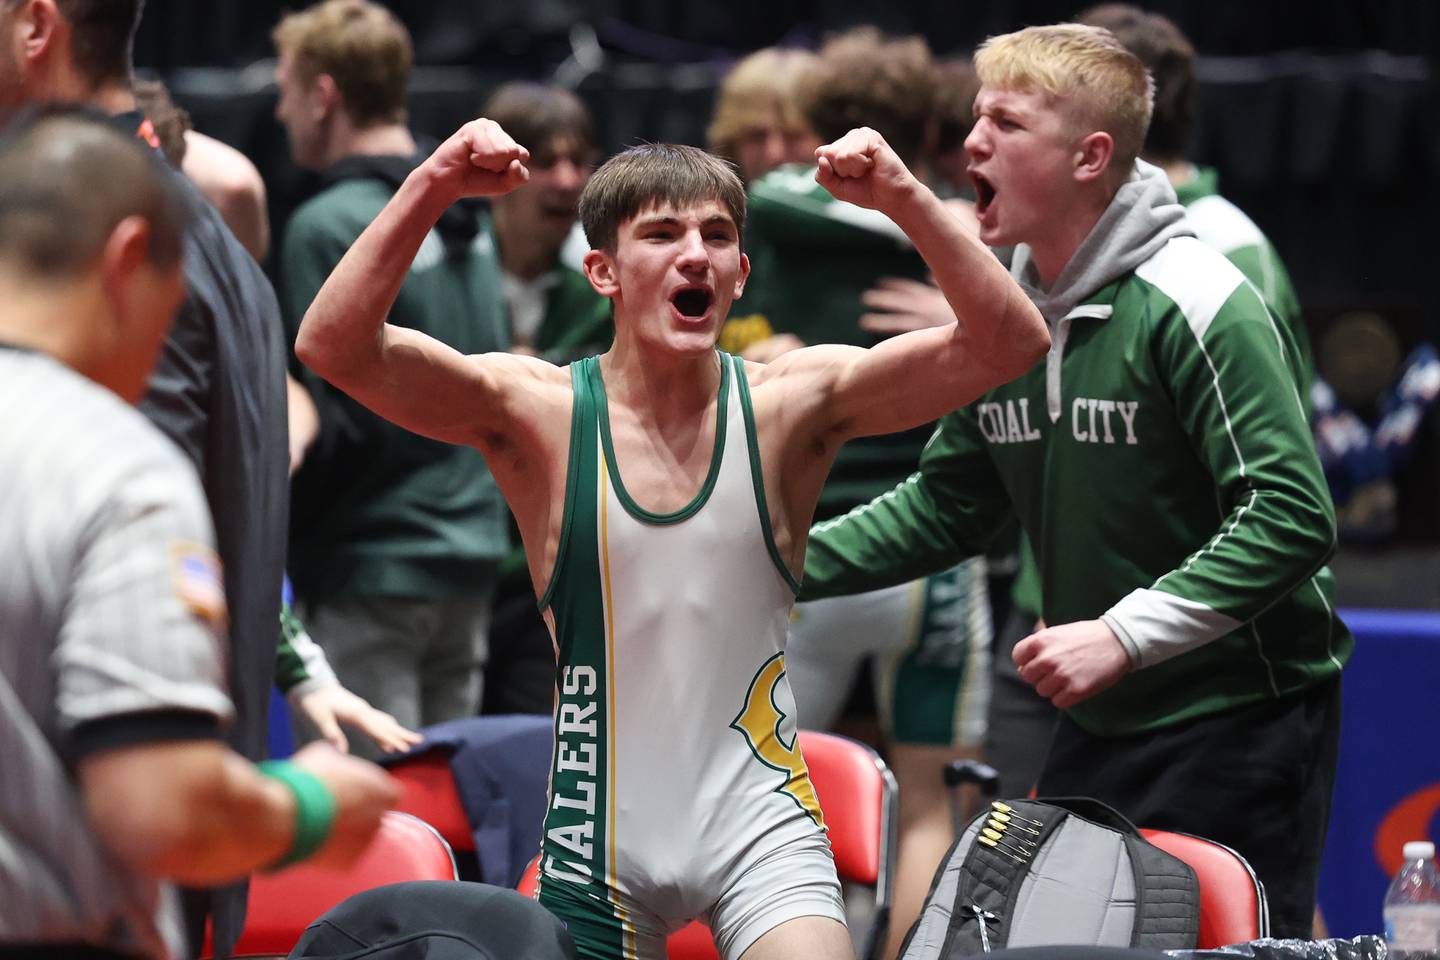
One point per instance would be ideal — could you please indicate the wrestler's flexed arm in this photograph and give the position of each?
(914, 378)
(810, 401)
(403, 375)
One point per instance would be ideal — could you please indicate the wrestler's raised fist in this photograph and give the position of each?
(479, 160)
(861, 168)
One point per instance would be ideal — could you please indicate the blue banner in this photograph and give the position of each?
(1387, 790)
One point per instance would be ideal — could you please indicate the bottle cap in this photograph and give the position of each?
(1419, 850)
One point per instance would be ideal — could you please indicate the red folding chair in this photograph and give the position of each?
(427, 791)
(860, 800)
(1232, 898)
(284, 903)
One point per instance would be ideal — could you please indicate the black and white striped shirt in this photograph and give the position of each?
(111, 634)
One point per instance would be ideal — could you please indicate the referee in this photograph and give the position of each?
(218, 389)
(112, 609)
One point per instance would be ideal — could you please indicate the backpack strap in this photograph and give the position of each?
(1167, 892)
(1167, 898)
(991, 876)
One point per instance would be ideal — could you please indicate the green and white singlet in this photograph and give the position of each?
(677, 787)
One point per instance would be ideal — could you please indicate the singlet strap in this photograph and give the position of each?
(582, 441)
(757, 475)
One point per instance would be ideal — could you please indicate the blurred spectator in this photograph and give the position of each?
(926, 643)
(757, 124)
(552, 309)
(395, 538)
(171, 123)
(553, 312)
(224, 175)
(1363, 462)
(112, 670)
(955, 89)
(1170, 58)
(218, 389)
(230, 181)
(865, 75)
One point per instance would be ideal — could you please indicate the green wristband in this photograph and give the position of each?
(314, 809)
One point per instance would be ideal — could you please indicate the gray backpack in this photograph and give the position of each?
(1061, 871)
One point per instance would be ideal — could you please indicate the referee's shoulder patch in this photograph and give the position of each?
(198, 579)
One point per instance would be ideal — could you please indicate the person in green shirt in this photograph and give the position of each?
(1160, 463)
(552, 310)
(395, 538)
(1021, 721)
(757, 124)
(554, 313)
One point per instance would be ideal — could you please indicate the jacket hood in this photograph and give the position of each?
(1142, 217)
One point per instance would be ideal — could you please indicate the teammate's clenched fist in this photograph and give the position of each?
(861, 168)
(1071, 663)
(479, 160)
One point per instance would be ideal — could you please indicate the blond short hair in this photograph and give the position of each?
(758, 89)
(1081, 63)
(362, 46)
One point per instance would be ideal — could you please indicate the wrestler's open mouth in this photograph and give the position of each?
(984, 192)
(692, 302)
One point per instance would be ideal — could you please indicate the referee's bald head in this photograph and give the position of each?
(67, 180)
(91, 226)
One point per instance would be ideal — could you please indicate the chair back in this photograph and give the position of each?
(428, 791)
(1232, 899)
(284, 903)
(859, 796)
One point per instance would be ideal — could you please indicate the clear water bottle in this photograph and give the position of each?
(1412, 904)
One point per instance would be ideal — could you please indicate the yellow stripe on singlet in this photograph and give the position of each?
(626, 927)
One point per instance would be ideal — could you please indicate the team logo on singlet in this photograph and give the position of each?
(574, 828)
(760, 721)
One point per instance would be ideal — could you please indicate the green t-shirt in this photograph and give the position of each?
(376, 509)
(811, 258)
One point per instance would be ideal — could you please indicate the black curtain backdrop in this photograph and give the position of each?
(1323, 118)
(187, 33)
